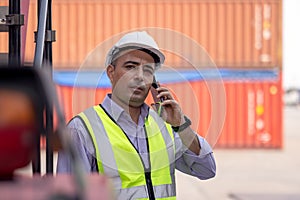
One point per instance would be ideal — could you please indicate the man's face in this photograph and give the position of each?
(131, 77)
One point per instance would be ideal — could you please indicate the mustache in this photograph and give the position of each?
(137, 85)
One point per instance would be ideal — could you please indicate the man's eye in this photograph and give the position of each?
(129, 66)
(148, 71)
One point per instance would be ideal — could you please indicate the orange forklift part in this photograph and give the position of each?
(18, 131)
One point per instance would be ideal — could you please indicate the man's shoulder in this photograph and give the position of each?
(75, 122)
(77, 119)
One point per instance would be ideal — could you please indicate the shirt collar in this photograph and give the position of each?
(115, 111)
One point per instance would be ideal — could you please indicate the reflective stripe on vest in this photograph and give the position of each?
(118, 158)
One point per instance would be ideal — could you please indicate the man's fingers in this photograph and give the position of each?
(170, 102)
(166, 95)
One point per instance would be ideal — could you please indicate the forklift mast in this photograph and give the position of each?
(11, 21)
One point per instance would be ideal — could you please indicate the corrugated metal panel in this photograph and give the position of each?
(253, 109)
(31, 28)
(75, 100)
(235, 33)
(254, 115)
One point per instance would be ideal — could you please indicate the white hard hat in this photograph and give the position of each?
(138, 39)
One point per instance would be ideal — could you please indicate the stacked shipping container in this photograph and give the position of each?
(244, 33)
(237, 35)
(247, 115)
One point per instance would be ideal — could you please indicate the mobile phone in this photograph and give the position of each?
(154, 93)
(157, 102)
(154, 83)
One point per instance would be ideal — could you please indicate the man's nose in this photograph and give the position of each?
(139, 74)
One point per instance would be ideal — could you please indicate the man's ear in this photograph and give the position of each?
(110, 69)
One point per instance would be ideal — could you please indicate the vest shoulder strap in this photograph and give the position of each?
(83, 117)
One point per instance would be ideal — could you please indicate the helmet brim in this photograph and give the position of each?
(115, 50)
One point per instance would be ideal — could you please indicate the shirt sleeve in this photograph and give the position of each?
(202, 166)
(84, 148)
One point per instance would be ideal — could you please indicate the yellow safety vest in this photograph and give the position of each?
(120, 160)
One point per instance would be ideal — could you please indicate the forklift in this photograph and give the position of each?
(28, 101)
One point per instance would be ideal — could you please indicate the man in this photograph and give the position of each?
(127, 141)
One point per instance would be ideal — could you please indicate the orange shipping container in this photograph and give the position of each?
(245, 33)
(236, 111)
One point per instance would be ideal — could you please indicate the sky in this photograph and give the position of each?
(291, 43)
